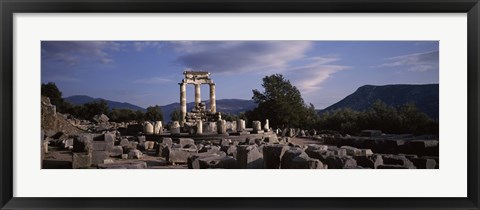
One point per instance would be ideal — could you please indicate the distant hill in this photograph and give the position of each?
(82, 99)
(425, 97)
(231, 106)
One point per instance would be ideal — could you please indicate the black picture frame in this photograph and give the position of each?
(10, 7)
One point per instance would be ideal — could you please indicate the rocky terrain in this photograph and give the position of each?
(72, 143)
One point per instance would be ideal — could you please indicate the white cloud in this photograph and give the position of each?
(72, 53)
(239, 56)
(312, 75)
(419, 62)
(106, 60)
(152, 80)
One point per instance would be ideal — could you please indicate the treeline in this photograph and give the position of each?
(88, 110)
(282, 104)
(404, 119)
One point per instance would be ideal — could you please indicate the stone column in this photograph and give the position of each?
(183, 102)
(257, 126)
(199, 127)
(213, 101)
(240, 125)
(266, 127)
(221, 127)
(198, 97)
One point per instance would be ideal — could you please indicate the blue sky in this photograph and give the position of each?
(147, 73)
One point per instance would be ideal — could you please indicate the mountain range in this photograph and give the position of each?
(231, 106)
(83, 99)
(425, 97)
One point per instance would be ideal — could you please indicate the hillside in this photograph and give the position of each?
(231, 106)
(425, 97)
(82, 99)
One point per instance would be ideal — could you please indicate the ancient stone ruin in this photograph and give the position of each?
(203, 140)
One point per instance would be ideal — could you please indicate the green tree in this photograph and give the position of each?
(122, 115)
(139, 116)
(154, 113)
(229, 117)
(94, 108)
(51, 91)
(175, 115)
(280, 102)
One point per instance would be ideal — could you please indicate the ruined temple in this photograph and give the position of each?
(199, 113)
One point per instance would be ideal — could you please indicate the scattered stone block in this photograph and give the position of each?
(81, 160)
(186, 141)
(232, 151)
(366, 152)
(68, 143)
(125, 143)
(100, 146)
(209, 148)
(161, 150)
(193, 160)
(179, 155)
(424, 163)
(82, 143)
(425, 147)
(141, 139)
(248, 157)
(107, 161)
(341, 162)
(317, 147)
(135, 154)
(352, 151)
(167, 141)
(372, 161)
(338, 151)
(397, 160)
(393, 146)
(272, 138)
(226, 162)
(288, 156)
(304, 162)
(99, 156)
(434, 158)
(149, 145)
(225, 142)
(117, 151)
(319, 154)
(272, 155)
(102, 118)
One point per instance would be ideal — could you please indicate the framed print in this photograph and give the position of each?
(138, 100)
